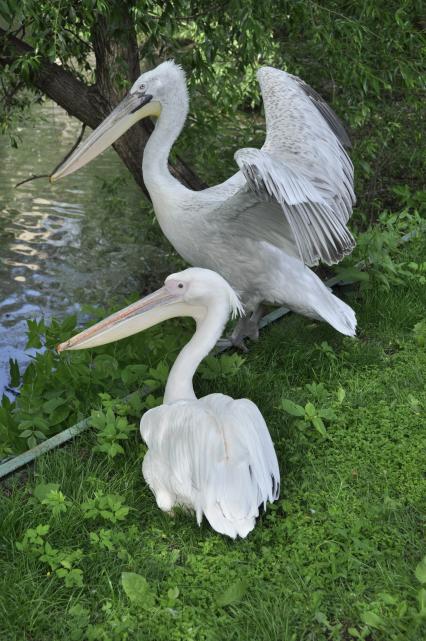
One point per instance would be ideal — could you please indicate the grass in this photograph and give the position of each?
(334, 559)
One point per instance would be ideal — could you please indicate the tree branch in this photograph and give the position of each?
(90, 106)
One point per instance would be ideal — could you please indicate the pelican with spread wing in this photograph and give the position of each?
(284, 211)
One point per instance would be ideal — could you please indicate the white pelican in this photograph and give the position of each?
(284, 211)
(213, 454)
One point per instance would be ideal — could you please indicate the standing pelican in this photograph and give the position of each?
(284, 211)
(213, 454)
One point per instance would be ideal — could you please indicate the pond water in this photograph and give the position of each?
(84, 240)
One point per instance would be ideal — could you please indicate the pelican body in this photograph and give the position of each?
(284, 211)
(213, 455)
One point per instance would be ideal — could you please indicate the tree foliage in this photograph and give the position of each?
(364, 57)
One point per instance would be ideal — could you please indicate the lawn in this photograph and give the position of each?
(338, 557)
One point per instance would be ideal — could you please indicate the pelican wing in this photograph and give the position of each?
(302, 167)
(305, 133)
(318, 230)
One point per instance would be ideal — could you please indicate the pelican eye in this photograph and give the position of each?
(142, 87)
(180, 285)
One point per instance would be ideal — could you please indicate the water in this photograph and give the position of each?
(84, 240)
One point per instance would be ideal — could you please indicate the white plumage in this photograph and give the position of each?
(213, 455)
(283, 212)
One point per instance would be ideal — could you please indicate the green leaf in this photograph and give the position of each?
(137, 588)
(373, 620)
(421, 570)
(419, 332)
(68, 325)
(97, 419)
(59, 415)
(25, 433)
(42, 530)
(133, 373)
(319, 425)
(173, 593)
(74, 578)
(310, 410)
(121, 513)
(292, 408)
(234, 593)
(341, 395)
(160, 373)
(42, 490)
(40, 422)
(421, 597)
(321, 618)
(388, 598)
(50, 406)
(14, 373)
(327, 413)
(35, 331)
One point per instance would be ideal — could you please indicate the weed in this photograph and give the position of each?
(110, 427)
(109, 507)
(309, 415)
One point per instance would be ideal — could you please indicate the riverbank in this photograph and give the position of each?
(82, 241)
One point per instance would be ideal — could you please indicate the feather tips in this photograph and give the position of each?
(318, 229)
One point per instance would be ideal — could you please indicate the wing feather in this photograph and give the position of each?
(325, 110)
(319, 232)
(303, 168)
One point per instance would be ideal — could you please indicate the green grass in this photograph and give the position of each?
(334, 558)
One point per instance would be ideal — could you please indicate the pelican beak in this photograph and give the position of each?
(145, 313)
(134, 107)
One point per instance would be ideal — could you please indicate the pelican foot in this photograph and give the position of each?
(246, 328)
(229, 342)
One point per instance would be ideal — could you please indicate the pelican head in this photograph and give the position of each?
(192, 292)
(153, 91)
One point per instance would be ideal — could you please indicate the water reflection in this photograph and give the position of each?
(75, 242)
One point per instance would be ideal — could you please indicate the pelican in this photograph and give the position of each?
(213, 455)
(283, 212)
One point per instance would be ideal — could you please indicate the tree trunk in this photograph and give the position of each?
(91, 104)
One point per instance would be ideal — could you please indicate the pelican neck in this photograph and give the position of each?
(210, 323)
(155, 166)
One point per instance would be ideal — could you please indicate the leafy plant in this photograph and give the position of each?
(56, 391)
(309, 415)
(33, 540)
(61, 562)
(110, 427)
(50, 495)
(109, 507)
(78, 619)
(117, 541)
(137, 589)
(376, 262)
(224, 366)
(327, 350)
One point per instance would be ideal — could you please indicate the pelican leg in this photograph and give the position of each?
(247, 327)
